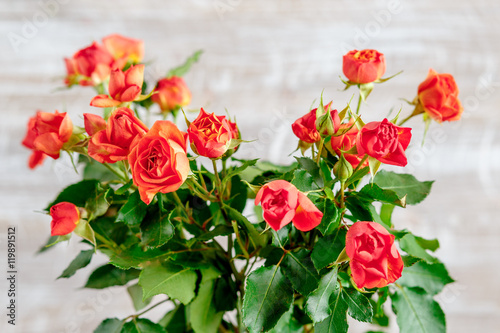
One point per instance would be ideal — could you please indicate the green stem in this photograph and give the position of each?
(217, 179)
(360, 100)
(124, 165)
(110, 244)
(238, 239)
(149, 309)
(342, 190)
(113, 170)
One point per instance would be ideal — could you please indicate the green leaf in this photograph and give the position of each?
(203, 313)
(288, 324)
(77, 193)
(331, 216)
(156, 228)
(299, 269)
(184, 68)
(386, 213)
(258, 240)
(303, 181)
(359, 306)
(268, 295)
(95, 170)
(312, 168)
(175, 320)
(238, 170)
(133, 211)
(99, 202)
(82, 260)
(337, 321)
(409, 261)
(110, 325)
(281, 237)
(428, 244)
(84, 230)
(365, 90)
(225, 296)
(135, 293)
(176, 282)
(318, 302)
(357, 176)
(134, 256)
(142, 325)
(327, 249)
(410, 245)
(374, 192)
(108, 275)
(417, 311)
(220, 230)
(122, 190)
(238, 194)
(404, 184)
(430, 277)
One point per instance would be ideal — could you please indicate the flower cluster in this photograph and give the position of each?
(158, 200)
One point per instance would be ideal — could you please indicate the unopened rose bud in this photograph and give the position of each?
(325, 125)
(342, 169)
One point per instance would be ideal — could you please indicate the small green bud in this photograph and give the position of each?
(342, 169)
(324, 125)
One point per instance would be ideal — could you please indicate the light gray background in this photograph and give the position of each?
(265, 61)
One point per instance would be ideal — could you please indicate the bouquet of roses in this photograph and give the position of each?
(236, 245)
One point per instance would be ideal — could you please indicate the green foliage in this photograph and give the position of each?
(186, 66)
(318, 302)
(268, 295)
(174, 281)
(157, 228)
(133, 211)
(77, 194)
(142, 325)
(82, 260)
(135, 293)
(328, 248)
(300, 271)
(204, 317)
(417, 311)
(359, 306)
(404, 185)
(110, 325)
(430, 277)
(109, 275)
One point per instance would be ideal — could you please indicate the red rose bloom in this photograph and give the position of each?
(438, 95)
(384, 141)
(158, 160)
(94, 63)
(210, 135)
(46, 135)
(123, 87)
(172, 93)
(305, 127)
(363, 66)
(111, 142)
(124, 49)
(65, 217)
(282, 203)
(345, 142)
(375, 260)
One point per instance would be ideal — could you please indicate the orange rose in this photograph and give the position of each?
(345, 142)
(124, 49)
(172, 94)
(305, 127)
(46, 135)
(363, 66)
(123, 87)
(375, 260)
(111, 142)
(89, 66)
(158, 160)
(283, 203)
(438, 96)
(210, 135)
(384, 141)
(65, 217)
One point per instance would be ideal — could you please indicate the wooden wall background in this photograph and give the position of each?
(266, 61)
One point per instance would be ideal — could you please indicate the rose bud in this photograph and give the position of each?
(342, 169)
(374, 259)
(384, 141)
(438, 96)
(89, 66)
(210, 135)
(46, 135)
(111, 142)
(158, 160)
(123, 87)
(305, 127)
(345, 142)
(282, 203)
(172, 93)
(124, 49)
(363, 66)
(65, 217)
